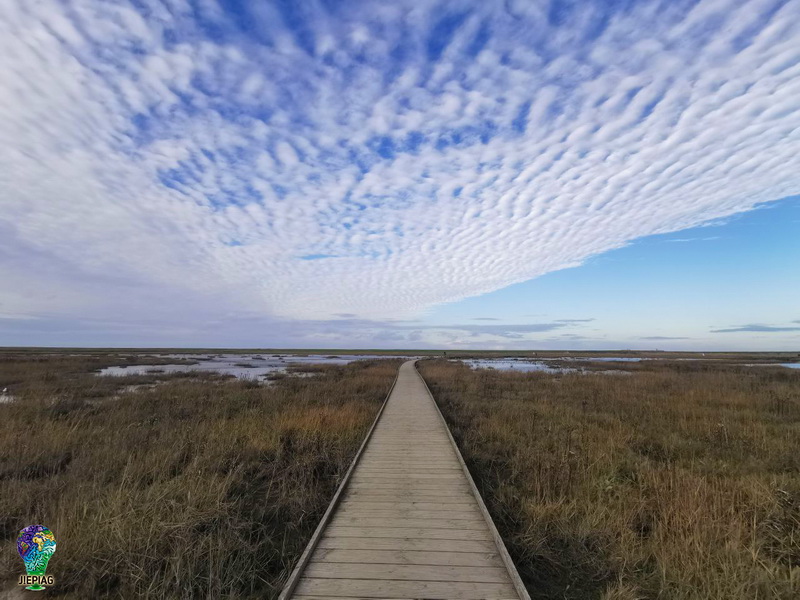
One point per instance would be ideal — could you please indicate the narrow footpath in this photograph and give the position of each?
(408, 522)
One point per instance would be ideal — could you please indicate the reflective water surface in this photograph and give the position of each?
(243, 366)
(528, 365)
(257, 366)
(515, 364)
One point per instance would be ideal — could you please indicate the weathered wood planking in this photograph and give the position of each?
(430, 590)
(411, 557)
(403, 544)
(408, 521)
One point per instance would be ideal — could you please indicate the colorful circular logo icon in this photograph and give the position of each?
(36, 544)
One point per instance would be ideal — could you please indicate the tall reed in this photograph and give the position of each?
(199, 487)
(677, 481)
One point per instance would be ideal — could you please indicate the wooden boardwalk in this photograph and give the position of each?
(407, 522)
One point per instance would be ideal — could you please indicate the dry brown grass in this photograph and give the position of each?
(679, 481)
(202, 487)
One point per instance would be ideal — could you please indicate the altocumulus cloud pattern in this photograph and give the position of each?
(375, 158)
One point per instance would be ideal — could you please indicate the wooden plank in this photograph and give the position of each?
(427, 438)
(327, 597)
(398, 462)
(405, 480)
(465, 514)
(367, 504)
(421, 444)
(396, 492)
(408, 532)
(418, 463)
(405, 466)
(420, 483)
(430, 590)
(410, 481)
(399, 489)
(410, 472)
(426, 461)
(326, 570)
(441, 459)
(408, 469)
(407, 495)
(453, 486)
(472, 523)
(409, 492)
(424, 441)
(444, 496)
(408, 557)
(438, 455)
(447, 497)
(369, 543)
(421, 449)
(406, 499)
(425, 477)
(388, 454)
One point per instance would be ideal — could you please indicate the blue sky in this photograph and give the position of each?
(516, 174)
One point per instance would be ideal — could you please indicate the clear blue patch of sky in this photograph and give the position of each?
(443, 32)
(744, 270)
(316, 256)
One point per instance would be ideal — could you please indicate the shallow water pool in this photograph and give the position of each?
(242, 366)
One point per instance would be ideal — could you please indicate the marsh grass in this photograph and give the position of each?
(680, 481)
(200, 487)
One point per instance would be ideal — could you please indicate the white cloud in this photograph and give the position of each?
(210, 166)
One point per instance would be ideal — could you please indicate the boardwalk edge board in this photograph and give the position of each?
(501, 547)
(294, 578)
